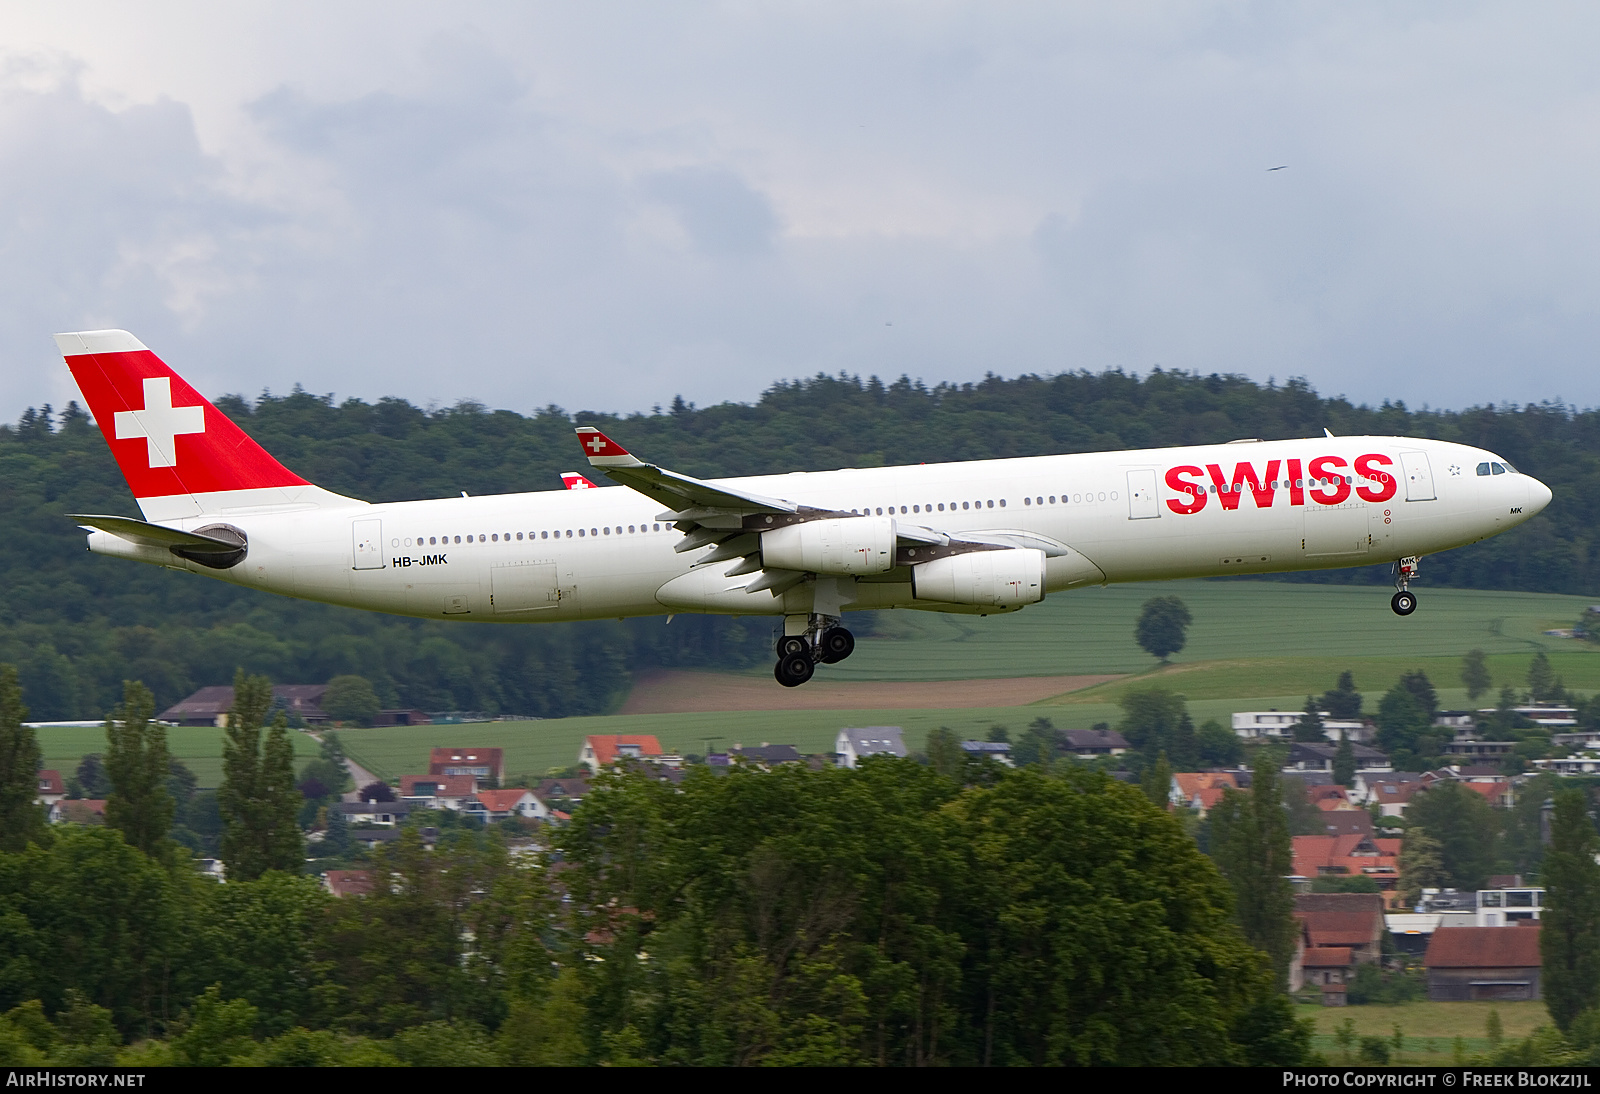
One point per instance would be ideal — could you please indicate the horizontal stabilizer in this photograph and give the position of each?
(151, 535)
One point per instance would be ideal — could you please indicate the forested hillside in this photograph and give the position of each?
(77, 625)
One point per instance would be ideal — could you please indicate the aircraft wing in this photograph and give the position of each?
(721, 517)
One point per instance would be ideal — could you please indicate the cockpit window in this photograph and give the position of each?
(1509, 468)
(1483, 469)
(1497, 469)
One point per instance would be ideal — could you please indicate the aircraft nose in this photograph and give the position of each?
(1539, 496)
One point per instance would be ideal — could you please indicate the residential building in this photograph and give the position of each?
(1355, 854)
(1484, 963)
(566, 792)
(1346, 920)
(1086, 744)
(1316, 756)
(78, 811)
(998, 751)
(348, 882)
(1585, 764)
(437, 791)
(51, 787)
(373, 812)
(1279, 725)
(210, 705)
(605, 750)
(768, 755)
(855, 744)
(498, 805)
(483, 764)
(1200, 790)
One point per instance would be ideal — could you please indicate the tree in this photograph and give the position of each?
(1344, 761)
(91, 776)
(1162, 625)
(1218, 745)
(138, 766)
(21, 819)
(1156, 782)
(1570, 939)
(1252, 848)
(1475, 674)
(1309, 728)
(1421, 864)
(351, 699)
(258, 799)
(1463, 824)
(1343, 703)
(1417, 683)
(377, 792)
(945, 754)
(1151, 719)
(1037, 744)
(1541, 678)
(1403, 725)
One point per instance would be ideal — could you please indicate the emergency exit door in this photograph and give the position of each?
(1142, 494)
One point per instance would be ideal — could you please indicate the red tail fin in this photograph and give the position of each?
(167, 438)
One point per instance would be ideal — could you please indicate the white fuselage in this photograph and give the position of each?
(591, 554)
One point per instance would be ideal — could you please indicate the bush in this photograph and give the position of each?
(1375, 985)
(1374, 1051)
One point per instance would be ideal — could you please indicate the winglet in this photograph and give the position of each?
(603, 451)
(574, 481)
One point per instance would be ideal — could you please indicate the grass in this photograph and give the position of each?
(1430, 1028)
(200, 748)
(1253, 646)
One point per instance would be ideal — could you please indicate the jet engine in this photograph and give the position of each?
(835, 545)
(1004, 579)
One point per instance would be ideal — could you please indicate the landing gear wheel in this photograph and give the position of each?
(837, 644)
(1403, 602)
(793, 645)
(793, 671)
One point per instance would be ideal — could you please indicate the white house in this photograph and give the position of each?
(855, 744)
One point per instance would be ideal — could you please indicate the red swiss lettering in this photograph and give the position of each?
(1297, 487)
(1192, 497)
(1244, 474)
(1332, 469)
(1386, 482)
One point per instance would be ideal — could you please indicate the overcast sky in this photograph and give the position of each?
(602, 205)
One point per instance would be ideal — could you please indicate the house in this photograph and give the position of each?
(210, 705)
(1468, 748)
(566, 792)
(51, 788)
(1355, 854)
(1086, 744)
(1346, 822)
(1325, 965)
(998, 751)
(1272, 724)
(1484, 963)
(483, 764)
(402, 718)
(1392, 798)
(78, 811)
(1200, 790)
(854, 745)
(1498, 794)
(1350, 921)
(497, 805)
(437, 791)
(768, 755)
(606, 750)
(1316, 756)
(373, 812)
(348, 882)
(1587, 764)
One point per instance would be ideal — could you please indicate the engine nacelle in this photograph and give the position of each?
(837, 545)
(1004, 579)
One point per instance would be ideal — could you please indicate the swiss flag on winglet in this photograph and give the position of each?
(602, 450)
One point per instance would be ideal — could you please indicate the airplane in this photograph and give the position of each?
(982, 537)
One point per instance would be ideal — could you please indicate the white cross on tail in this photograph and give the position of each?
(159, 423)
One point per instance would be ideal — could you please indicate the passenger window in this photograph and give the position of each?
(497, 537)
(1027, 501)
(880, 511)
(1002, 503)
(569, 533)
(458, 539)
(519, 537)
(580, 533)
(941, 507)
(657, 527)
(1052, 499)
(593, 532)
(608, 529)
(966, 505)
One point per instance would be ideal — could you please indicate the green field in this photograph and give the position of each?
(198, 747)
(1253, 646)
(1430, 1028)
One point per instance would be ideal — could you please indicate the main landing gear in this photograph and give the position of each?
(798, 654)
(1404, 602)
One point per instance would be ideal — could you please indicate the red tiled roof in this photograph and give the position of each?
(349, 882)
(606, 746)
(50, 782)
(1495, 792)
(501, 801)
(492, 758)
(1191, 783)
(1327, 957)
(1483, 947)
(1312, 853)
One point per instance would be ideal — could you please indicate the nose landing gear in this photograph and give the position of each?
(1404, 602)
(798, 654)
